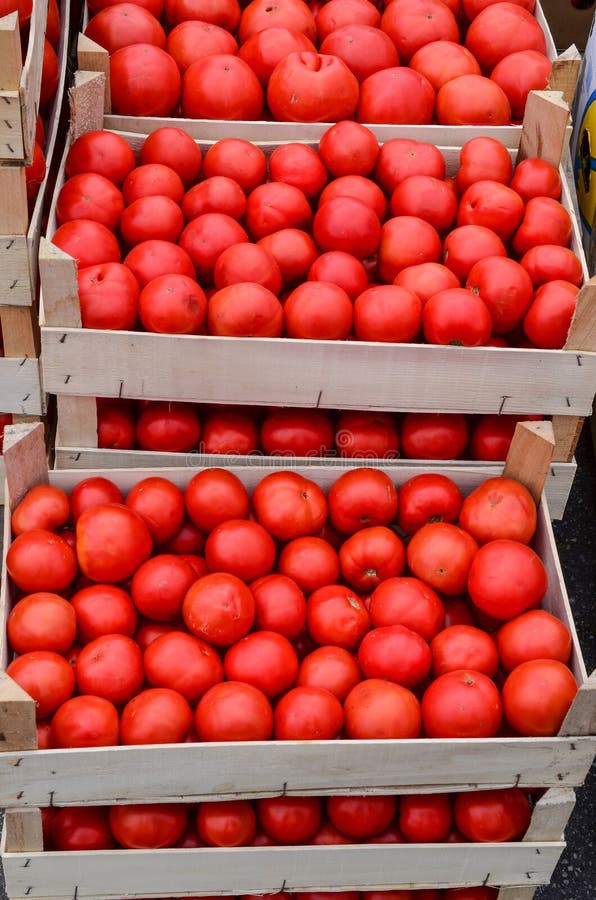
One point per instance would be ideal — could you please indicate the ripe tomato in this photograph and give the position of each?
(85, 721)
(188, 540)
(464, 647)
(328, 834)
(472, 100)
(238, 159)
(549, 317)
(172, 304)
(228, 431)
(519, 73)
(406, 241)
(173, 147)
(155, 716)
(294, 250)
(461, 704)
(103, 609)
(417, 23)
(467, 245)
(361, 498)
(545, 221)
(319, 310)
(92, 491)
(159, 586)
(551, 262)
(169, 427)
(299, 165)
(148, 826)
(425, 818)
(233, 711)
(208, 235)
(244, 309)
(260, 14)
(499, 508)
(370, 556)
(312, 87)
(492, 816)
(471, 8)
(441, 554)
(289, 505)
(240, 547)
(349, 224)
(434, 436)
(148, 218)
(214, 495)
(192, 39)
(102, 152)
(535, 634)
(289, 820)
(342, 269)
(43, 506)
(88, 195)
(221, 86)
(408, 602)
(46, 676)
(81, 828)
(400, 158)
(123, 24)
(501, 29)
(442, 60)
(311, 562)
(332, 668)
(217, 194)
(536, 177)
(144, 81)
(376, 709)
(184, 663)
(348, 148)
(396, 654)
(111, 667)
(427, 498)
(426, 279)
(273, 206)
(505, 287)
(161, 504)
(151, 180)
(506, 578)
(537, 695)
(367, 434)
(263, 50)
(481, 157)
(115, 426)
(264, 659)
(39, 560)
(150, 259)
(280, 605)
(219, 608)
(397, 95)
(361, 817)
(336, 615)
(226, 823)
(41, 621)
(493, 205)
(427, 198)
(336, 13)
(307, 714)
(112, 542)
(364, 48)
(88, 242)
(491, 436)
(451, 317)
(388, 313)
(108, 296)
(247, 262)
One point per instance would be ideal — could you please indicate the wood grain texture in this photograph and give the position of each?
(17, 717)
(91, 57)
(20, 330)
(567, 430)
(76, 420)
(23, 830)
(564, 74)
(544, 128)
(20, 386)
(530, 454)
(24, 459)
(86, 97)
(59, 288)
(11, 128)
(551, 815)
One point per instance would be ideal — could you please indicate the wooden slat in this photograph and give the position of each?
(567, 431)
(516, 893)
(20, 331)
(31, 77)
(544, 129)
(11, 132)
(91, 57)
(582, 333)
(17, 717)
(58, 274)
(76, 420)
(581, 718)
(551, 815)
(20, 386)
(87, 97)
(564, 74)
(14, 217)
(23, 830)
(103, 875)
(16, 283)
(530, 454)
(25, 459)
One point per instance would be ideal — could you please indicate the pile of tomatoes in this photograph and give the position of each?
(348, 241)
(184, 427)
(209, 615)
(404, 62)
(479, 816)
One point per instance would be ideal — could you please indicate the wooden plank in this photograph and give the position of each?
(23, 830)
(516, 893)
(14, 217)
(91, 57)
(581, 718)
(20, 386)
(31, 77)
(564, 74)
(59, 288)
(25, 459)
(567, 431)
(11, 132)
(551, 815)
(107, 874)
(17, 717)
(16, 284)
(544, 129)
(76, 420)
(582, 333)
(87, 97)
(530, 454)
(20, 331)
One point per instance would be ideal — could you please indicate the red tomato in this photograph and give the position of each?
(519, 73)
(103, 609)
(90, 196)
(148, 826)
(150, 180)
(155, 7)
(144, 81)
(50, 74)
(219, 608)
(349, 224)
(206, 236)
(464, 647)
(361, 498)
(427, 498)
(294, 251)
(376, 709)
(111, 667)
(442, 60)
(491, 436)
(551, 262)
(247, 262)
(169, 427)
(480, 158)
(112, 542)
(319, 310)
(397, 95)
(387, 313)
(184, 663)
(425, 818)
(229, 432)
(361, 817)
(39, 560)
(418, 22)
(173, 147)
(150, 259)
(155, 716)
(336, 13)
(264, 49)
(89, 243)
(92, 492)
(342, 269)
(434, 436)
(537, 695)
(289, 505)
(400, 158)
(102, 152)
(291, 432)
(426, 279)
(191, 40)
(217, 194)
(461, 704)
(238, 159)
(85, 721)
(441, 554)
(535, 634)
(310, 562)
(331, 668)
(280, 605)
(312, 87)
(224, 12)
(426, 198)
(396, 654)
(123, 24)
(472, 100)
(226, 823)
(159, 586)
(328, 834)
(188, 540)
(260, 15)
(348, 148)
(172, 304)
(232, 711)
(273, 206)
(504, 286)
(506, 578)
(451, 317)
(499, 508)
(367, 434)
(289, 820)
(408, 602)
(501, 29)
(492, 816)
(214, 495)
(335, 615)
(115, 426)
(471, 8)
(298, 165)
(151, 218)
(81, 828)
(493, 205)
(241, 548)
(221, 86)
(536, 177)
(364, 49)
(35, 174)
(370, 556)
(43, 506)
(549, 317)
(46, 676)
(406, 241)
(308, 714)
(108, 296)
(467, 245)
(264, 659)
(244, 309)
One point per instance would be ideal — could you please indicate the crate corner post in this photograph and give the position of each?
(24, 459)
(530, 455)
(17, 717)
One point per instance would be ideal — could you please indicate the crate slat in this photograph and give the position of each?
(20, 386)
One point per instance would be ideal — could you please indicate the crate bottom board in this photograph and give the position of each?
(557, 488)
(111, 874)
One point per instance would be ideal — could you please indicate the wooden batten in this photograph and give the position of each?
(91, 57)
(551, 815)
(17, 717)
(76, 420)
(530, 455)
(60, 295)
(544, 128)
(564, 73)
(86, 98)
(24, 459)
(22, 830)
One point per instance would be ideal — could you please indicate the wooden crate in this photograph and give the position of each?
(517, 868)
(218, 771)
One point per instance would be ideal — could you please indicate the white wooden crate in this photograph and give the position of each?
(199, 771)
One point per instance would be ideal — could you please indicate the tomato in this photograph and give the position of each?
(112, 542)
(426, 198)
(536, 177)
(35, 174)
(467, 245)
(206, 236)
(336, 615)
(461, 703)
(108, 297)
(174, 149)
(273, 206)
(367, 434)
(43, 506)
(376, 709)
(551, 262)
(191, 40)
(151, 218)
(89, 243)
(123, 24)
(291, 432)
(294, 251)
(361, 498)
(148, 826)
(506, 578)
(471, 8)
(260, 15)
(429, 497)
(188, 540)
(501, 29)
(247, 262)
(349, 224)
(289, 505)
(264, 659)
(370, 556)
(46, 676)
(169, 427)
(90, 196)
(156, 716)
(85, 721)
(232, 711)
(416, 23)
(150, 259)
(319, 310)
(221, 86)
(549, 317)
(434, 436)
(400, 158)
(219, 608)
(332, 668)
(280, 605)
(441, 554)
(92, 492)
(491, 436)
(115, 426)
(426, 279)
(229, 432)
(492, 816)
(300, 166)
(493, 205)
(245, 309)
(451, 317)
(226, 823)
(289, 820)
(396, 654)
(241, 548)
(224, 12)
(348, 148)
(103, 609)
(307, 713)
(472, 100)
(155, 7)
(406, 241)
(425, 818)
(217, 194)
(535, 634)
(505, 287)
(337, 13)
(238, 159)
(214, 495)
(22, 7)
(263, 50)
(407, 602)
(363, 48)
(481, 157)
(41, 621)
(361, 817)
(537, 695)
(81, 828)
(519, 73)
(329, 835)
(499, 508)
(387, 313)
(397, 95)
(144, 81)
(172, 304)
(151, 180)
(39, 560)
(159, 586)
(312, 87)
(183, 663)
(464, 647)
(342, 269)
(102, 152)
(442, 60)
(310, 562)
(111, 667)
(50, 74)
